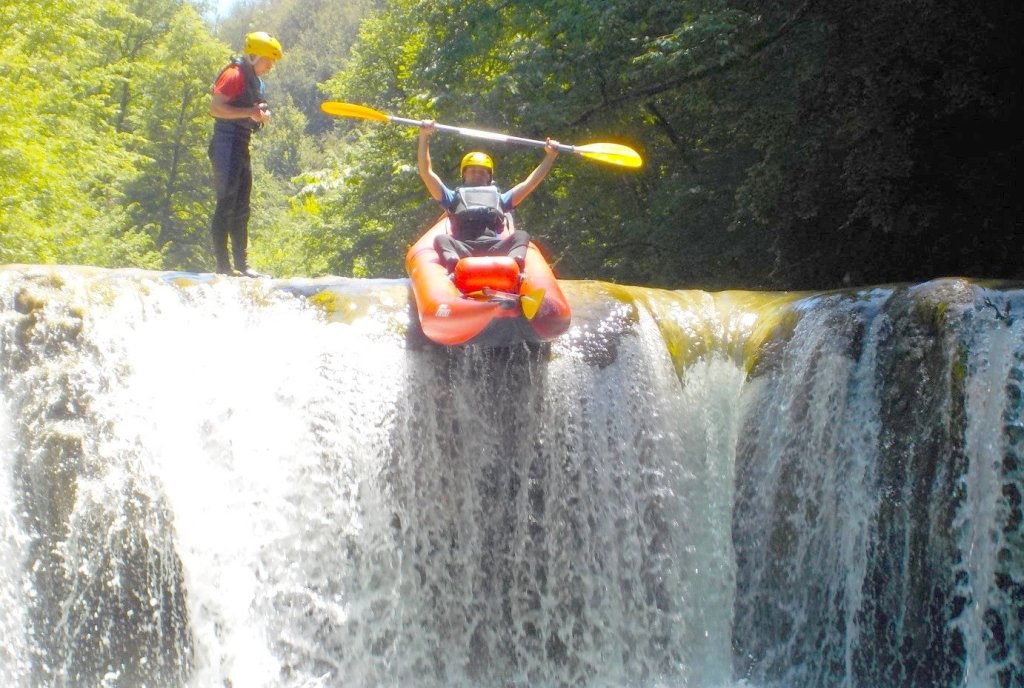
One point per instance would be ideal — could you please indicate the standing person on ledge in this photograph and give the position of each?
(476, 207)
(239, 107)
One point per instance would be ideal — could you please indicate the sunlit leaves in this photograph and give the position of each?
(170, 196)
(60, 202)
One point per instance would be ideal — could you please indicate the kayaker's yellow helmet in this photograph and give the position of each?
(262, 44)
(477, 159)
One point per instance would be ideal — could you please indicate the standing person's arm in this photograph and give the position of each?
(523, 189)
(220, 109)
(430, 179)
(229, 86)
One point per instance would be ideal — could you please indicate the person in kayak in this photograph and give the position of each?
(476, 207)
(239, 107)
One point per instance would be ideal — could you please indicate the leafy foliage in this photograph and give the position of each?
(799, 144)
(170, 196)
(58, 193)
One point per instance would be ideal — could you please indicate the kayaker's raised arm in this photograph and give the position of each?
(523, 189)
(427, 174)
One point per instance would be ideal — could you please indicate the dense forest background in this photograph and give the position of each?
(799, 144)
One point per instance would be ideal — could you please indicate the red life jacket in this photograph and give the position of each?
(252, 95)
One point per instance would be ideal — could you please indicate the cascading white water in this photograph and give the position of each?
(347, 509)
(14, 589)
(993, 551)
(878, 514)
(812, 439)
(250, 483)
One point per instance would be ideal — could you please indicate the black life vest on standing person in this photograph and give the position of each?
(253, 94)
(477, 212)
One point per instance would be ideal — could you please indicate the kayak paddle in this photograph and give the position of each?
(613, 153)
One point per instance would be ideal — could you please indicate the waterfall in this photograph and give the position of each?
(223, 482)
(14, 668)
(878, 512)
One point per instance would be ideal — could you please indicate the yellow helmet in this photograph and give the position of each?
(262, 44)
(476, 159)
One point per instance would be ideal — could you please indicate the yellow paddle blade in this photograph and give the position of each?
(336, 109)
(613, 153)
(530, 303)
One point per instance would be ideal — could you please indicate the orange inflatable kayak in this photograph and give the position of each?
(487, 302)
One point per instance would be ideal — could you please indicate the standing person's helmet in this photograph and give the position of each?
(477, 159)
(262, 44)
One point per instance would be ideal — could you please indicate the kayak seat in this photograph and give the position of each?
(474, 273)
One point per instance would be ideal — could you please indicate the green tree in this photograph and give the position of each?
(63, 155)
(171, 197)
(904, 141)
(788, 145)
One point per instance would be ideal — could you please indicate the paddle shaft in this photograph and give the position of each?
(480, 134)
